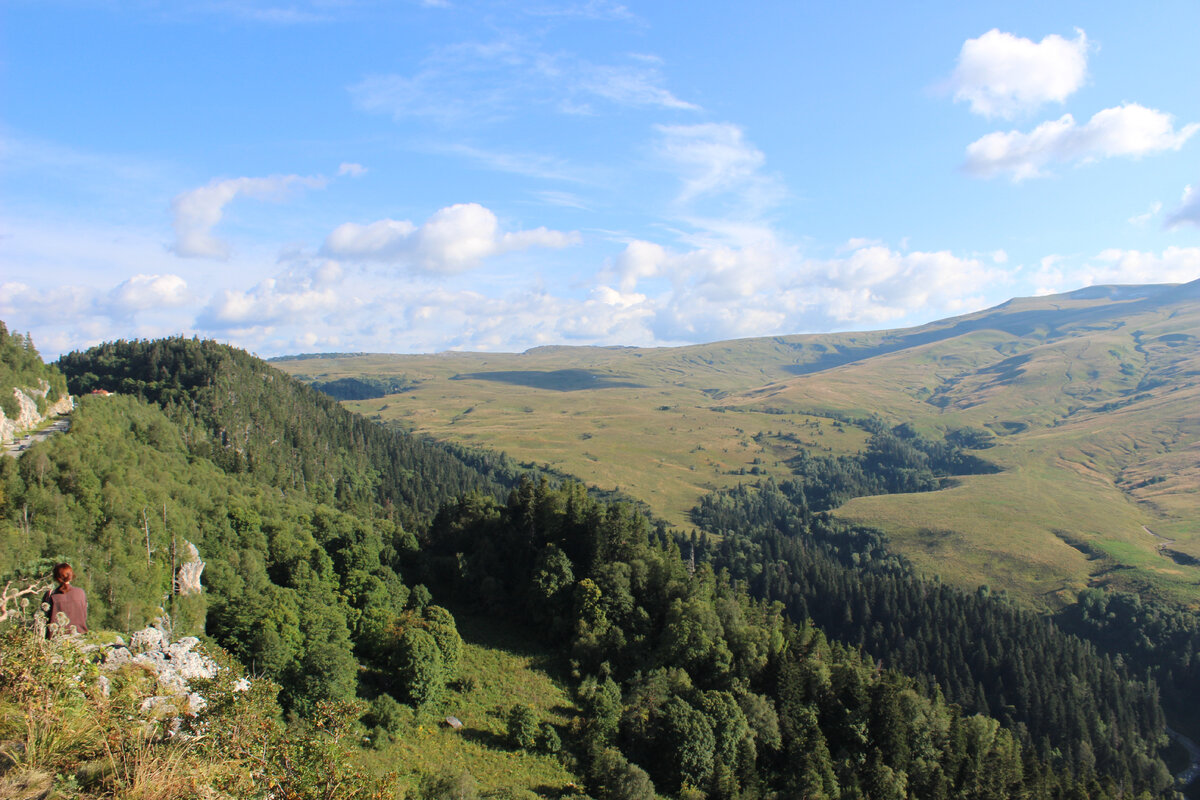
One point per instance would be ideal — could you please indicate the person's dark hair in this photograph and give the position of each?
(64, 575)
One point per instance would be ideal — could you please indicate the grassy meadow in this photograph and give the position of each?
(497, 669)
(1094, 397)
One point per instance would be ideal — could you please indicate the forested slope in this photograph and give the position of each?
(247, 417)
(322, 531)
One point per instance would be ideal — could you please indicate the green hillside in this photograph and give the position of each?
(1092, 397)
(587, 655)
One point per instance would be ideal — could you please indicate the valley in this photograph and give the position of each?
(1092, 399)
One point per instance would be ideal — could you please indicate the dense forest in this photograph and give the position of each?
(791, 658)
(247, 417)
(983, 653)
(895, 460)
(707, 689)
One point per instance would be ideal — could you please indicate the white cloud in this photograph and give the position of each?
(495, 80)
(1002, 75)
(534, 165)
(724, 292)
(1125, 130)
(712, 158)
(1188, 211)
(631, 85)
(562, 199)
(300, 296)
(199, 210)
(1113, 266)
(351, 169)
(1149, 214)
(455, 239)
(142, 292)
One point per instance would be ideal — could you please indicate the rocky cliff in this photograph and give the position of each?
(29, 416)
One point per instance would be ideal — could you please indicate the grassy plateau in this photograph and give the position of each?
(1094, 398)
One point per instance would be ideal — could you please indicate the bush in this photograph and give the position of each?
(386, 713)
(548, 739)
(450, 784)
(419, 667)
(522, 727)
(9, 405)
(612, 777)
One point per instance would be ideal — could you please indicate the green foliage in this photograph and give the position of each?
(548, 740)
(249, 418)
(714, 693)
(386, 713)
(983, 652)
(688, 742)
(523, 727)
(362, 388)
(440, 624)
(612, 777)
(418, 667)
(450, 784)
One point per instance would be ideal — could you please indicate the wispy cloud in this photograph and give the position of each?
(198, 211)
(724, 188)
(533, 165)
(1150, 213)
(581, 9)
(490, 81)
(1003, 75)
(348, 168)
(637, 84)
(1125, 130)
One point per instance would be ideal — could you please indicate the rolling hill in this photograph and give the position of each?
(1091, 397)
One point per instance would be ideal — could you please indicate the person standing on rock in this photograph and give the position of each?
(66, 599)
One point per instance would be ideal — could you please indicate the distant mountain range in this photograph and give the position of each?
(1091, 397)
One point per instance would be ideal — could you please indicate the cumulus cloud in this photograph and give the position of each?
(351, 169)
(723, 292)
(1002, 75)
(1114, 266)
(455, 239)
(198, 211)
(142, 292)
(299, 295)
(1125, 130)
(1188, 211)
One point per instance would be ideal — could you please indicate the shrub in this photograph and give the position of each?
(9, 405)
(419, 667)
(548, 739)
(386, 713)
(612, 777)
(522, 727)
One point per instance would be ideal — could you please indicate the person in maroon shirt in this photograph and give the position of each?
(67, 599)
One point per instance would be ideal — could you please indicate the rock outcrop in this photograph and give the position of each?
(29, 417)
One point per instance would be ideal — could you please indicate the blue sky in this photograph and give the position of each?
(351, 175)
